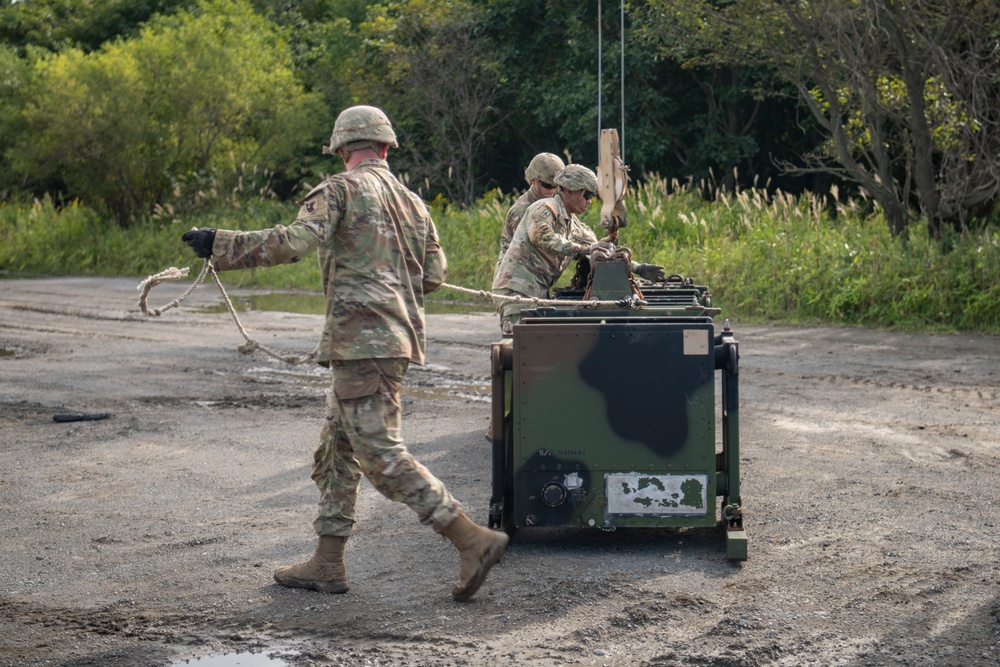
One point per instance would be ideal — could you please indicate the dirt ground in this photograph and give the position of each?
(149, 537)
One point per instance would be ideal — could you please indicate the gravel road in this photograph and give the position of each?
(869, 463)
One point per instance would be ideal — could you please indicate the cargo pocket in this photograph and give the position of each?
(362, 380)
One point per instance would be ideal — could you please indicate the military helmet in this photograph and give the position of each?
(361, 123)
(544, 167)
(576, 177)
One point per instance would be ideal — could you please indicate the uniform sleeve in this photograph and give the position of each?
(510, 223)
(582, 234)
(435, 262)
(319, 216)
(542, 234)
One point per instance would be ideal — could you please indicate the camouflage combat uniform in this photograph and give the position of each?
(543, 245)
(513, 219)
(378, 255)
(514, 216)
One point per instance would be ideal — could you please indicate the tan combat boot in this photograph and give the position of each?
(479, 548)
(324, 572)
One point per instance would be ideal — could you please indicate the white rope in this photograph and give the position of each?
(543, 302)
(173, 273)
(250, 345)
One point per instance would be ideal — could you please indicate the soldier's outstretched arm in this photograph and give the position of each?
(318, 216)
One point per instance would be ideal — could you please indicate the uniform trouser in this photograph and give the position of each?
(361, 436)
(510, 311)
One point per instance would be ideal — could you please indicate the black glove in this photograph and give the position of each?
(200, 240)
(651, 272)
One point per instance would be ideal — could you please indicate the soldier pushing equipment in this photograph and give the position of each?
(548, 238)
(541, 176)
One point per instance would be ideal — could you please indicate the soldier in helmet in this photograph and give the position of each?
(378, 254)
(541, 175)
(549, 237)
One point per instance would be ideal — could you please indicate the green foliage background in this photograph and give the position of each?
(779, 258)
(193, 92)
(125, 122)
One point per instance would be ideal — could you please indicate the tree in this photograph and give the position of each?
(197, 91)
(323, 36)
(429, 65)
(679, 120)
(906, 93)
(909, 95)
(85, 24)
(15, 73)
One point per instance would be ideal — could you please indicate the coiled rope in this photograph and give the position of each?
(249, 346)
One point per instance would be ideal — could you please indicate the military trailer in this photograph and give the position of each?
(607, 401)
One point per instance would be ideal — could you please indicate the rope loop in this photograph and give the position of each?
(249, 346)
(173, 273)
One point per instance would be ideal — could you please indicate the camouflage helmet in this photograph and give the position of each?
(544, 167)
(361, 123)
(576, 177)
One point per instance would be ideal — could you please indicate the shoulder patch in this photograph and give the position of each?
(312, 192)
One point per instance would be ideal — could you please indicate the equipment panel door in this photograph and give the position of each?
(614, 424)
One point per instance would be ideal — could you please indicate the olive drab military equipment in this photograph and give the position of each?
(609, 417)
(609, 414)
(361, 123)
(544, 167)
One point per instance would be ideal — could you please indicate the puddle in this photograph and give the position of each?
(423, 385)
(481, 394)
(240, 659)
(315, 304)
(4, 352)
(310, 375)
(284, 302)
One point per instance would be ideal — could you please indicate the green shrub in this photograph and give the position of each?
(766, 257)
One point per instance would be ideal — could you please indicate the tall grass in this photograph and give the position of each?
(789, 258)
(766, 256)
(471, 240)
(45, 239)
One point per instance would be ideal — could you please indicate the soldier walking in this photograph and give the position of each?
(378, 255)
